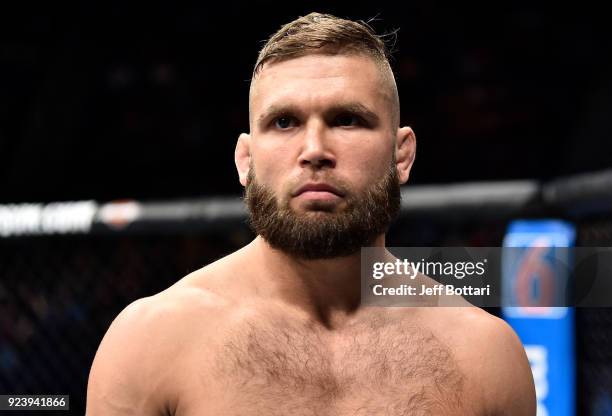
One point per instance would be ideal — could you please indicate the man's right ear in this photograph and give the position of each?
(242, 157)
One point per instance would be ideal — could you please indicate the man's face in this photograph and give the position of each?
(322, 179)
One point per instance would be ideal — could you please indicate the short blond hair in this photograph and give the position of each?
(318, 33)
(322, 33)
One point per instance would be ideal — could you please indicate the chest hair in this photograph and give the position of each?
(381, 367)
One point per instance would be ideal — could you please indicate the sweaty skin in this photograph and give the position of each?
(262, 333)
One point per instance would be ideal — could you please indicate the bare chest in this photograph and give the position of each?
(373, 368)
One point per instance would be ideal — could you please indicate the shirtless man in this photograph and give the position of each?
(277, 328)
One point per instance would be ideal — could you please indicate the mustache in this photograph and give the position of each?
(337, 186)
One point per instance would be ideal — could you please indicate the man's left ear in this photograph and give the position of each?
(405, 151)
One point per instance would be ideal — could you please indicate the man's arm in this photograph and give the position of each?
(506, 371)
(124, 378)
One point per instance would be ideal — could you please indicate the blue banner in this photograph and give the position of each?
(532, 276)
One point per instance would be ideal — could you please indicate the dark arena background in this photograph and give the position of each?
(118, 125)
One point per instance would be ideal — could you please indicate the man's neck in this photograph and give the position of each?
(328, 291)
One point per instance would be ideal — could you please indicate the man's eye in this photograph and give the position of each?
(284, 122)
(347, 120)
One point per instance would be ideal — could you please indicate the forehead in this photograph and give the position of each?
(318, 80)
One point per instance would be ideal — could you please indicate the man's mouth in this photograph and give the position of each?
(318, 191)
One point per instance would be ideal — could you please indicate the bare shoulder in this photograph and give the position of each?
(139, 357)
(166, 316)
(489, 350)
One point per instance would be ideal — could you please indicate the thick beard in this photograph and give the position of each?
(320, 234)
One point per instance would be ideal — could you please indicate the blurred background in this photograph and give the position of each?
(116, 102)
(122, 101)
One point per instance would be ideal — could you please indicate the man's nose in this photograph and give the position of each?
(316, 151)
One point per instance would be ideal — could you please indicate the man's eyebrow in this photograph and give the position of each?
(357, 108)
(275, 111)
